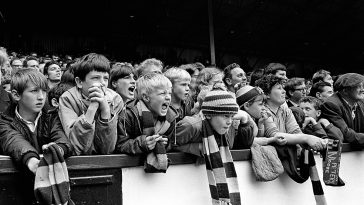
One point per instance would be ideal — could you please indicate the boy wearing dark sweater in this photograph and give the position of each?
(315, 125)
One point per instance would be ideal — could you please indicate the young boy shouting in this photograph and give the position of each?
(311, 106)
(180, 91)
(89, 111)
(25, 127)
(147, 125)
(148, 119)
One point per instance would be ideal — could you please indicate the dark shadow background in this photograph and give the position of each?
(311, 34)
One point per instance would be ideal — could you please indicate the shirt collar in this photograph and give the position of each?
(30, 125)
(275, 113)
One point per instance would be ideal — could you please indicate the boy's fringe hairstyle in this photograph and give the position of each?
(21, 78)
(149, 82)
(312, 100)
(177, 74)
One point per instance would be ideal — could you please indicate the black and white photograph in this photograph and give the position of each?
(160, 102)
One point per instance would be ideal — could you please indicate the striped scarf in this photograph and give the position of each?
(300, 170)
(157, 160)
(51, 184)
(220, 168)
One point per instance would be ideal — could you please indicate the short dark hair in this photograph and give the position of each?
(292, 83)
(267, 82)
(318, 87)
(29, 58)
(272, 68)
(320, 76)
(312, 100)
(120, 71)
(49, 63)
(68, 77)
(256, 75)
(58, 90)
(90, 62)
(228, 69)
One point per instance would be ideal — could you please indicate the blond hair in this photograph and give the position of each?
(150, 82)
(177, 74)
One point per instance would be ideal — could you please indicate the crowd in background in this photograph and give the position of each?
(88, 105)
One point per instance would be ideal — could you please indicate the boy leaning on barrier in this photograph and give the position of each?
(26, 129)
(148, 120)
(147, 125)
(207, 134)
(314, 125)
(89, 111)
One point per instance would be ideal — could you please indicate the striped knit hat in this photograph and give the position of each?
(247, 93)
(219, 102)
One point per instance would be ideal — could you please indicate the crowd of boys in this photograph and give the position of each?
(91, 106)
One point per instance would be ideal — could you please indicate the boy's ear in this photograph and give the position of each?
(145, 98)
(78, 82)
(228, 81)
(246, 106)
(318, 95)
(318, 113)
(54, 102)
(290, 92)
(113, 84)
(16, 95)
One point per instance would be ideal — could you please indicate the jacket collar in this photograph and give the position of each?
(4, 96)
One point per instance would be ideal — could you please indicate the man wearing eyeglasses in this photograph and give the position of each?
(16, 64)
(295, 90)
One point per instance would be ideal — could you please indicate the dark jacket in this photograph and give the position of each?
(184, 110)
(21, 144)
(5, 99)
(130, 138)
(330, 131)
(338, 112)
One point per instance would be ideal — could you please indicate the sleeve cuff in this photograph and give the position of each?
(64, 148)
(29, 155)
(317, 127)
(329, 126)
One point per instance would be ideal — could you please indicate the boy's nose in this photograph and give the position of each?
(229, 121)
(103, 82)
(41, 94)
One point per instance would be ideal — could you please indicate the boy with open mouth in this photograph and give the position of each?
(148, 123)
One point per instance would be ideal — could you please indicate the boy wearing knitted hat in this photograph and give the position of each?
(251, 100)
(206, 135)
